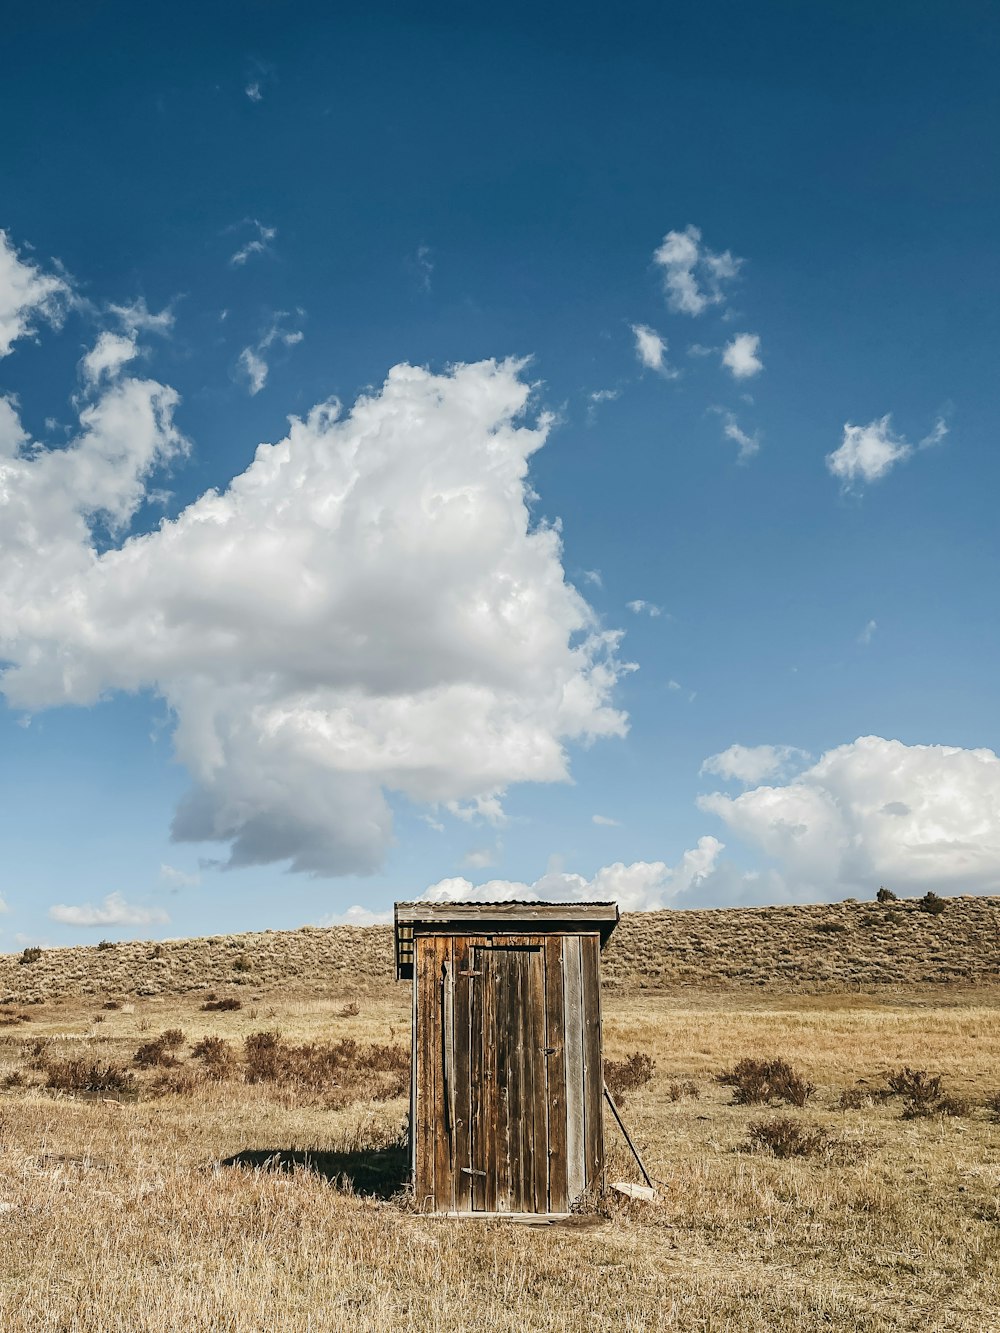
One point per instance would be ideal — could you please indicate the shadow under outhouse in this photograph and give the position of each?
(507, 1083)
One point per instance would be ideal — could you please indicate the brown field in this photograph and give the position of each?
(119, 1209)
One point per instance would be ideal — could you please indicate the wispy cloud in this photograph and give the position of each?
(731, 429)
(640, 607)
(253, 91)
(868, 633)
(253, 363)
(113, 911)
(136, 317)
(258, 244)
(651, 350)
(605, 822)
(27, 295)
(751, 764)
(179, 879)
(693, 275)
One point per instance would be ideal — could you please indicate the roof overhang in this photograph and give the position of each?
(506, 918)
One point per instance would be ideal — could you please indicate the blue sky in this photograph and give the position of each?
(698, 452)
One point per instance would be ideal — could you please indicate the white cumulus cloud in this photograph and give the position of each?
(113, 911)
(750, 764)
(368, 609)
(876, 811)
(642, 886)
(740, 356)
(868, 453)
(106, 358)
(27, 295)
(693, 275)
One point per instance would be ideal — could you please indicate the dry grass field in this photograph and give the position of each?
(250, 1182)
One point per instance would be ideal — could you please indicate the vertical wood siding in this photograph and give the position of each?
(508, 1083)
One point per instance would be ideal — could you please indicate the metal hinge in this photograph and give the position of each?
(471, 1171)
(470, 974)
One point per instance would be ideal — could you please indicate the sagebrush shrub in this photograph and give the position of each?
(88, 1076)
(227, 1004)
(931, 903)
(786, 1137)
(624, 1076)
(218, 1057)
(757, 1081)
(30, 955)
(345, 1066)
(885, 895)
(924, 1094)
(158, 1053)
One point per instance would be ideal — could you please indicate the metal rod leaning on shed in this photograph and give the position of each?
(628, 1139)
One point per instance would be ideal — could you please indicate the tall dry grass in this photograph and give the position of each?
(118, 1215)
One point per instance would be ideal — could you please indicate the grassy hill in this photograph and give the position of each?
(833, 946)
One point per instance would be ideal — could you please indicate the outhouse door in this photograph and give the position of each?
(508, 1132)
(507, 1088)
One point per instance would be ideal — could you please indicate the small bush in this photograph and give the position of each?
(158, 1052)
(226, 1005)
(11, 1017)
(89, 1076)
(105, 944)
(349, 1011)
(831, 927)
(687, 1088)
(157, 951)
(885, 895)
(112, 1004)
(914, 1084)
(218, 1057)
(931, 903)
(924, 1094)
(854, 1099)
(342, 1067)
(759, 1081)
(786, 1137)
(242, 963)
(624, 1076)
(30, 955)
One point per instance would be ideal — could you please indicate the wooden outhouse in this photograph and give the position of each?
(507, 1084)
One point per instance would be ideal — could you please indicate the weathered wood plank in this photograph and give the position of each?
(576, 1169)
(425, 982)
(515, 1080)
(479, 1110)
(490, 1090)
(413, 1084)
(593, 1071)
(536, 1118)
(555, 1075)
(444, 1194)
(464, 983)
